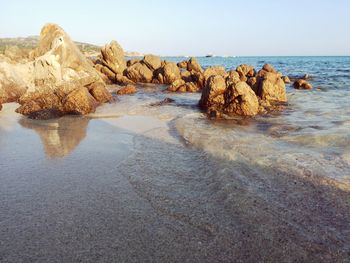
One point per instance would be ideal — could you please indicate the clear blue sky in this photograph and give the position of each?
(192, 27)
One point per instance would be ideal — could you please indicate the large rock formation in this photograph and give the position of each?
(59, 80)
(241, 91)
(113, 57)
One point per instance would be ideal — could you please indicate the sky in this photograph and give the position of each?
(191, 27)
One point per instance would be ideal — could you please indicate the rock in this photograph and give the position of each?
(232, 78)
(79, 101)
(163, 102)
(198, 79)
(269, 68)
(36, 101)
(271, 87)
(213, 92)
(153, 62)
(100, 93)
(191, 87)
(12, 87)
(212, 71)
(132, 61)
(106, 71)
(253, 83)
(286, 79)
(122, 80)
(182, 64)
(245, 70)
(113, 57)
(307, 77)
(240, 99)
(139, 72)
(170, 72)
(302, 84)
(61, 80)
(186, 75)
(176, 85)
(129, 89)
(193, 65)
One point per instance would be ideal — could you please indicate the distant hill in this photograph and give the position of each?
(33, 41)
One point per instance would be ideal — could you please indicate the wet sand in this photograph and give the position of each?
(129, 189)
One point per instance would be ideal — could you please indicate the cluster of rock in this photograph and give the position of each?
(186, 76)
(58, 80)
(243, 91)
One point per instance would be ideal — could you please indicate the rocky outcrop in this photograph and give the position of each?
(302, 84)
(60, 80)
(113, 57)
(242, 91)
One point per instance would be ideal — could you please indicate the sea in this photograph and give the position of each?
(141, 182)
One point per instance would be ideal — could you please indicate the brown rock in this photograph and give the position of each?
(240, 99)
(123, 80)
(198, 79)
(212, 71)
(232, 78)
(106, 71)
(79, 101)
(271, 87)
(213, 92)
(286, 79)
(99, 91)
(186, 75)
(269, 68)
(153, 62)
(245, 70)
(139, 72)
(193, 65)
(132, 61)
(175, 86)
(129, 89)
(302, 84)
(113, 57)
(171, 72)
(191, 87)
(182, 64)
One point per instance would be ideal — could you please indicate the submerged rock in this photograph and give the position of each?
(302, 84)
(163, 102)
(129, 89)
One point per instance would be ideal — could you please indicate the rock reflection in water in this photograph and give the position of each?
(59, 136)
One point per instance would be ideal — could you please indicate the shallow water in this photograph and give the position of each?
(141, 183)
